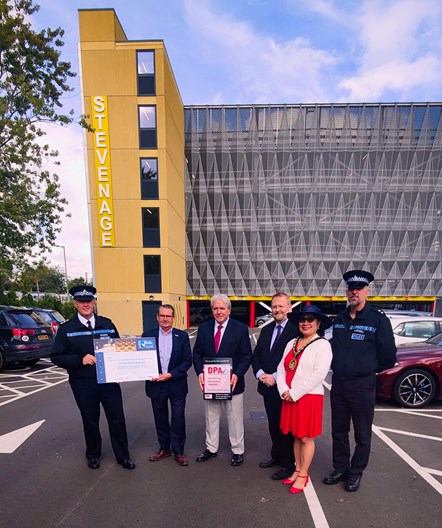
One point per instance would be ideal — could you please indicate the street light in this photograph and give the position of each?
(65, 267)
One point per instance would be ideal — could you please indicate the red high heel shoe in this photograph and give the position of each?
(289, 481)
(294, 490)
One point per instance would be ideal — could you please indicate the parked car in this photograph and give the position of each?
(416, 379)
(407, 313)
(199, 315)
(51, 317)
(261, 319)
(415, 329)
(24, 337)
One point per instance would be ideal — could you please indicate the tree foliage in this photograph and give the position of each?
(42, 278)
(33, 79)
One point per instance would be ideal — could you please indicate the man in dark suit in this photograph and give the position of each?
(174, 360)
(224, 338)
(266, 357)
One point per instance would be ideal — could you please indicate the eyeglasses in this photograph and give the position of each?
(355, 288)
(166, 316)
(307, 319)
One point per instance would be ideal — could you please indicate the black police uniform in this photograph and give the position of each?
(361, 347)
(72, 342)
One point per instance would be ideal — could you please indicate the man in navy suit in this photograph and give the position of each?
(266, 357)
(224, 338)
(174, 360)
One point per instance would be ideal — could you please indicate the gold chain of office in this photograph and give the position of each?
(296, 352)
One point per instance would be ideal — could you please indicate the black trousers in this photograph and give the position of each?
(352, 400)
(282, 444)
(173, 433)
(89, 395)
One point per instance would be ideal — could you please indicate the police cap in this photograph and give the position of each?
(83, 292)
(358, 278)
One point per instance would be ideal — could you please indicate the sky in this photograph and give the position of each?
(255, 52)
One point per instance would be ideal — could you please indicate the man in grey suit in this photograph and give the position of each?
(266, 357)
(224, 337)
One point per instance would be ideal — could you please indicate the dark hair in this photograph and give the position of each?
(168, 306)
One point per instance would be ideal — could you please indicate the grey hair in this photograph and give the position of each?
(223, 298)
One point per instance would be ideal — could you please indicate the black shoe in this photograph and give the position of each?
(335, 477)
(237, 460)
(353, 483)
(93, 463)
(271, 462)
(205, 456)
(126, 463)
(282, 474)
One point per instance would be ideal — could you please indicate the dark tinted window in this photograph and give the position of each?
(147, 119)
(146, 72)
(151, 226)
(25, 319)
(149, 178)
(152, 273)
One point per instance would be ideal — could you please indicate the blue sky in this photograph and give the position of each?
(258, 51)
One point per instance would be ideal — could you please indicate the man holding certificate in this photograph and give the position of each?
(174, 360)
(218, 340)
(73, 350)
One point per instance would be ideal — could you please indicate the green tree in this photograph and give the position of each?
(33, 79)
(79, 280)
(42, 278)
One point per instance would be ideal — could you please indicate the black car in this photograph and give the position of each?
(51, 317)
(24, 336)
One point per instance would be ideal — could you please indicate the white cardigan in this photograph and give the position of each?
(312, 369)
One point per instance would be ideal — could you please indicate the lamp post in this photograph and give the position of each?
(65, 267)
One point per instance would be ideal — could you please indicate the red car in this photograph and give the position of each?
(416, 379)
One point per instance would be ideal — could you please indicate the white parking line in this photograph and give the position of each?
(38, 380)
(316, 511)
(414, 435)
(414, 412)
(424, 473)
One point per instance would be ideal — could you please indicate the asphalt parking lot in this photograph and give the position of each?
(45, 481)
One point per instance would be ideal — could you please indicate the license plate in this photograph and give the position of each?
(43, 336)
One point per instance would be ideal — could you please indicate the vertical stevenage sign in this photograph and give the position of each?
(103, 177)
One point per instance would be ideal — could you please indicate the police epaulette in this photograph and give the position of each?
(379, 310)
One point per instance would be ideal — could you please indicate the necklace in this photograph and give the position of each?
(296, 351)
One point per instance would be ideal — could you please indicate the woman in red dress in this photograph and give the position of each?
(303, 368)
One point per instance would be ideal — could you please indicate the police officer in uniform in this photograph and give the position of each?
(363, 344)
(73, 350)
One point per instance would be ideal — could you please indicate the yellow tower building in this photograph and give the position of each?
(135, 167)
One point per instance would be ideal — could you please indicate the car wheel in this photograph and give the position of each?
(2, 360)
(29, 362)
(260, 322)
(414, 388)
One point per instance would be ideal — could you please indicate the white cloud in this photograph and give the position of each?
(260, 68)
(75, 229)
(400, 51)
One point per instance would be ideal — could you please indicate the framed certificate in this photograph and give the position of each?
(217, 375)
(126, 359)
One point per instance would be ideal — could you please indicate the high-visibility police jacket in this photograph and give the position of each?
(363, 345)
(74, 340)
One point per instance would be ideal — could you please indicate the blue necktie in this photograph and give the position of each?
(278, 335)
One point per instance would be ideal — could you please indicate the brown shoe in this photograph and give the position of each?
(181, 460)
(162, 453)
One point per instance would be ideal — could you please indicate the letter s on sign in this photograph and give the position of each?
(98, 104)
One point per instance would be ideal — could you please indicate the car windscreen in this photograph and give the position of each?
(25, 319)
(58, 317)
(45, 316)
(436, 340)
